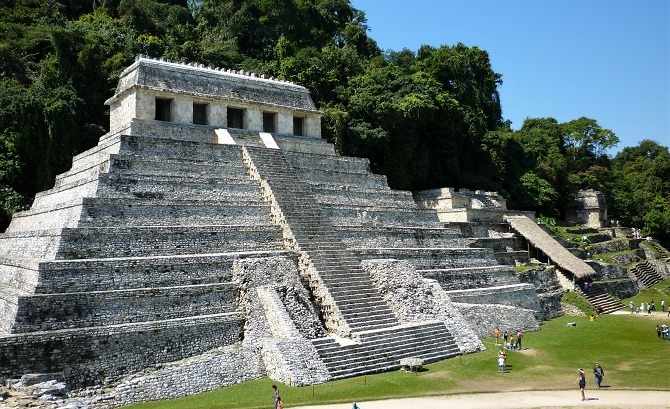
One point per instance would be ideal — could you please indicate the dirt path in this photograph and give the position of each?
(532, 399)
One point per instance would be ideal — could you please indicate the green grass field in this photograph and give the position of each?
(625, 345)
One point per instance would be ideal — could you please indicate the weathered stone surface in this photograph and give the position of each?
(416, 299)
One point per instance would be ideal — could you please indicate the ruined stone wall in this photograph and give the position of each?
(622, 288)
(485, 318)
(214, 369)
(547, 287)
(281, 320)
(413, 299)
(89, 356)
(606, 271)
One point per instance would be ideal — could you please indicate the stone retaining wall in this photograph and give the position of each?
(485, 318)
(547, 287)
(89, 356)
(414, 299)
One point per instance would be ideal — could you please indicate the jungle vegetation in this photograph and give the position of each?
(426, 118)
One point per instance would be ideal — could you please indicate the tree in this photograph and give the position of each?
(640, 188)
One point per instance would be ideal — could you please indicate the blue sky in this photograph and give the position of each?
(603, 59)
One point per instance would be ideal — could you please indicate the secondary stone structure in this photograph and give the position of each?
(213, 236)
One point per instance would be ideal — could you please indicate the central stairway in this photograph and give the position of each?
(350, 304)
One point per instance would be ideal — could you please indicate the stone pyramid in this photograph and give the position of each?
(212, 224)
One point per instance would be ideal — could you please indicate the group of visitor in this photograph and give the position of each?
(509, 340)
(598, 374)
(663, 332)
(647, 308)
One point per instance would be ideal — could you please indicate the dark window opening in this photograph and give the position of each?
(298, 126)
(269, 122)
(163, 109)
(200, 114)
(235, 118)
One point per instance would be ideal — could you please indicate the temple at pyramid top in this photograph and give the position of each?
(193, 94)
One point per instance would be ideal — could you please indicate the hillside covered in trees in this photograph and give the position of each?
(426, 118)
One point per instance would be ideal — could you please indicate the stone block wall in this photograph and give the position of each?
(413, 299)
(519, 295)
(217, 368)
(472, 277)
(89, 356)
(547, 287)
(485, 318)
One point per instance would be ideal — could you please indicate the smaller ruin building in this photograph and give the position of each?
(466, 206)
(590, 209)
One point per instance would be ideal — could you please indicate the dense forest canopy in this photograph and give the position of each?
(427, 118)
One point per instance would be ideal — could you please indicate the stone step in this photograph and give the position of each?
(82, 175)
(9, 300)
(37, 244)
(339, 189)
(180, 150)
(163, 187)
(58, 195)
(163, 240)
(515, 295)
(472, 277)
(46, 312)
(382, 350)
(428, 258)
(103, 212)
(110, 212)
(122, 164)
(343, 356)
(309, 161)
(389, 236)
(89, 349)
(87, 275)
(304, 145)
(333, 177)
(96, 155)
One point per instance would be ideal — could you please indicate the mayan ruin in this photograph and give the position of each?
(213, 235)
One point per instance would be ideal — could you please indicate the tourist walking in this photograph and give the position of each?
(598, 372)
(662, 305)
(581, 380)
(519, 335)
(631, 305)
(276, 397)
(496, 335)
(658, 331)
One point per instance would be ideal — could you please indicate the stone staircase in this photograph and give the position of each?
(646, 274)
(380, 351)
(350, 304)
(337, 274)
(602, 301)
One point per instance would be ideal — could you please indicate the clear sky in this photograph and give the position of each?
(603, 59)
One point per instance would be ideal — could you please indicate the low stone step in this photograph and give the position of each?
(87, 275)
(91, 309)
(163, 240)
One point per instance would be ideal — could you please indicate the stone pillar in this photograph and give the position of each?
(253, 119)
(182, 110)
(145, 106)
(284, 123)
(218, 114)
(312, 126)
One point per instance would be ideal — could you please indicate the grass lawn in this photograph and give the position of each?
(626, 346)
